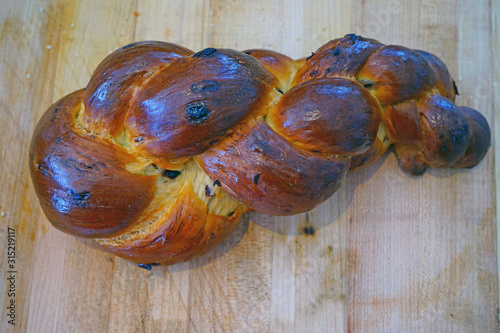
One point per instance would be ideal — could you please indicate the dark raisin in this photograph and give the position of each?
(216, 182)
(314, 73)
(256, 178)
(145, 266)
(354, 38)
(367, 83)
(172, 174)
(205, 53)
(197, 113)
(208, 191)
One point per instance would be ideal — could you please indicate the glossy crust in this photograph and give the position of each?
(281, 66)
(341, 57)
(395, 73)
(81, 181)
(192, 103)
(165, 150)
(115, 81)
(480, 139)
(335, 116)
(268, 174)
(182, 229)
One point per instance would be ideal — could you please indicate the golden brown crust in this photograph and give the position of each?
(334, 116)
(480, 139)
(188, 231)
(402, 121)
(395, 73)
(376, 150)
(81, 181)
(341, 57)
(446, 131)
(267, 173)
(281, 66)
(166, 148)
(114, 82)
(191, 104)
(445, 84)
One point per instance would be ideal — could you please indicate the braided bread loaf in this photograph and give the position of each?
(162, 153)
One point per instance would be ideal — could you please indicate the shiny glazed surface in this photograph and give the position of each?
(166, 148)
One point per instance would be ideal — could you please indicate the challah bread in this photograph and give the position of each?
(165, 150)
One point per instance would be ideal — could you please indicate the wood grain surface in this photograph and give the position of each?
(389, 252)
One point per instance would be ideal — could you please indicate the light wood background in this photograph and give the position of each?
(390, 252)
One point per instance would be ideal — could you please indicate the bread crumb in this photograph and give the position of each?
(261, 19)
(460, 78)
(41, 10)
(212, 25)
(71, 37)
(315, 36)
(77, 55)
(28, 76)
(282, 23)
(2, 213)
(73, 24)
(211, 13)
(49, 47)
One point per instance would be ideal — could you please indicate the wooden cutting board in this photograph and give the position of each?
(387, 253)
